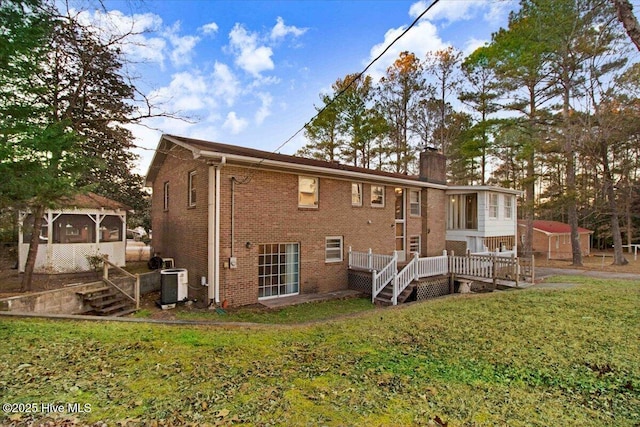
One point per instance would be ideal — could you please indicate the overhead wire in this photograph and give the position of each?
(358, 76)
(342, 91)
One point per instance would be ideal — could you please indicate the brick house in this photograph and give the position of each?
(553, 238)
(252, 224)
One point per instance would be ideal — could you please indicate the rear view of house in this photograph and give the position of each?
(252, 225)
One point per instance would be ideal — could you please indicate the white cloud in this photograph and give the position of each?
(280, 30)
(453, 11)
(234, 124)
(138, 44)
(182, 45)
(420, 39)
(225, 85)
(210, 28)
(187, 92)
(250, 56)
(265, 108)
(471, 45)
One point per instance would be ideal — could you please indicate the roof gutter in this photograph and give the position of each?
(319, 170)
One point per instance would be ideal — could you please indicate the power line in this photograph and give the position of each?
(360, 74)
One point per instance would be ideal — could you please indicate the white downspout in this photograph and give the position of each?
(211, 232)
(213, 256)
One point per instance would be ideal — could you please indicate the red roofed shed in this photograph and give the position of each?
(553, 238)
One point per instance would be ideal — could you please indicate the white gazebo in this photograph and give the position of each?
(84, 226)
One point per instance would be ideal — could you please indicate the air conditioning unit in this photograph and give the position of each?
(174, 285)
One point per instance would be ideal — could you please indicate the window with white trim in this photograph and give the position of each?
(307, 192)
(377, 196)
(278, 269)
(493, 205)
(333, 249)
(192, 188)
(508, 206)
(165, 197)
(414, 202)
(414, 244)
(356, 194)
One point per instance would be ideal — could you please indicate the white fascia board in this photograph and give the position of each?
(316, 170)
(459, 189)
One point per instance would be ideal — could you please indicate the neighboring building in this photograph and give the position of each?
(85, 225)
(552, 239)
(253, 225)
(481, 219)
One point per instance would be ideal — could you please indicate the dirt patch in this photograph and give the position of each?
(597, 261)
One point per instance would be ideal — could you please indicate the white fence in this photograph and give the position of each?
(368, 260)
(384, 268)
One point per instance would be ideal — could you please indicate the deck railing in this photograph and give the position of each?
(380, 280)
(132, 291)
(368, 260)
(384, 268)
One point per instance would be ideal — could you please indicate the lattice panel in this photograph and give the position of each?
(458, 247)
(432, 288)
(360, 281)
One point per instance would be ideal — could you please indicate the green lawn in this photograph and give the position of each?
(301, 313)
(521, 358)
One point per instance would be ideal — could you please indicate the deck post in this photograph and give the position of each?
(516, 267)
(373, 286)
(137, 291)
(494, 272)
(533, 269)
(105, 269)
(350, 262)
(370, 259)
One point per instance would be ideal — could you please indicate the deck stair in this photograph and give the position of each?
(385, 297)
(107, 301)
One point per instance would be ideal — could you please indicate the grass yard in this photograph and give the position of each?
(520, 358)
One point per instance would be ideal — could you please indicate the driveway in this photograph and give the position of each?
(544, 272)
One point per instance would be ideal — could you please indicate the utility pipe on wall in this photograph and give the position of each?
(213, 238)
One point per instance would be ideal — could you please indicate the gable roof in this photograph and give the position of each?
(92, 201)
(257, 158)
(553, 227)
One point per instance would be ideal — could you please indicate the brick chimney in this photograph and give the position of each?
(433, 166)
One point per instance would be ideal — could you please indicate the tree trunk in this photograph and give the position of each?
(529, 206)
(628, 20)
(572, 210)
(618, 255)
(38, 213)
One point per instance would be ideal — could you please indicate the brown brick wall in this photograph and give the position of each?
(433, 224)
(266, 211)
(181, 231)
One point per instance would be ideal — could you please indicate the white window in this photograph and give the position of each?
(414, 202)
(414, 244)
(307, 192)
(278, 270)
(192, 188)
(493, 205)
(377, 195)
(333, 249)
(356, 194)
(166, 196)
(508, 208)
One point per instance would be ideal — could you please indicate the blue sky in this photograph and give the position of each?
(250, 72)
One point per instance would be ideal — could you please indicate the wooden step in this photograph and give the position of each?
(106, 302)
(123, 312)
(92, 291)
(101, 296)
(113, 308)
